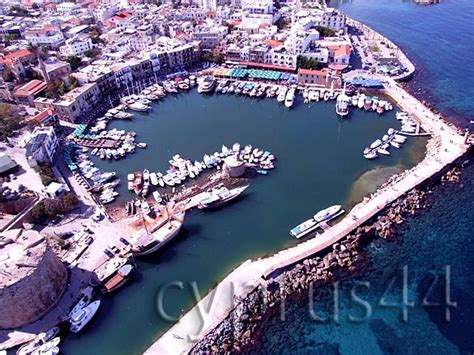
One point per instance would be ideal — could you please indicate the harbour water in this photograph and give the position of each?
(319, 158)
(438, 238)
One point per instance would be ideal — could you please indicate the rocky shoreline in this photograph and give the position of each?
(239, 332)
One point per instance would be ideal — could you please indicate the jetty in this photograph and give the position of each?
(445, 147)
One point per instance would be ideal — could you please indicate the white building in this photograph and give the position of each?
(334, 19)
(210, 36)
(77, 46)
(42, 146)
(47, 35)
(209, 4)
(68, 8)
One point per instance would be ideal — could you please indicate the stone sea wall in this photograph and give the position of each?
(240, 330)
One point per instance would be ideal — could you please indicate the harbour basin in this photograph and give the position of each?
(319, 159)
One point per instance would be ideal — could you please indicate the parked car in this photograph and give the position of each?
(124, 241)
(114, 249)
(108, 253)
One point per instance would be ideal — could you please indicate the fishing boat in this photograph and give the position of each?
(290, 98)
(81, 317)
(355, 100)
(157, 196)
(207, 84)
(304, 228)
(183, 85)
(138, 182)
(118, 279)
(48, 348)
(149, 242)
(328, 213)
(342, 105)
(220, 196)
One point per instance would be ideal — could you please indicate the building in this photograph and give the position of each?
(77, 45)
(18, 61)
(42, 146)
(53, 70)
(48, 36)
(209, 37)
(77, 102)
(6, 165)
(334, 19)
(32, 280)
(312, 77)
(27, 93)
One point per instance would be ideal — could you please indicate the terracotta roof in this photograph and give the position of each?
(312, 72)
(18, 54)
(273, 43)
(33, 87)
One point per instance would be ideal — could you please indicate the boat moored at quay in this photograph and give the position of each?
(220, 196)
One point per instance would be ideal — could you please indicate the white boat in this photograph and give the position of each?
(81, 317)
(383, 149)
(207, 84)
(40, 340)
(290, 98)
(48, 348)
(236, 148)
(355, 100)
(342, 105)
(153, 179)
(370, 155)
(141, 145)
(304, 228)
(361, 101)
(328, 213)
(138, 106)
(157, 196)
(394, 144)
(282, 94)
(376, 143)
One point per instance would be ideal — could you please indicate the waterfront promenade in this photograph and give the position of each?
(446, 146)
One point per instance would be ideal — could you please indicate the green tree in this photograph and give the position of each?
(69, 202)
(72, 82)
(9, 122)
(74, 61)
(309, 63)
(325, 31)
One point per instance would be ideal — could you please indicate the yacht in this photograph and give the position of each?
(206, 85)
(220, 196)
(342, 105)
(290, 98)
(40, 340)
(304, 228)
(80, 318)
(328, 213)
(372, 154)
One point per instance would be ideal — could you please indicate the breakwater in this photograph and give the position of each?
(240, 331)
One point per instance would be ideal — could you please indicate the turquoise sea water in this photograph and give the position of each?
(437, 37)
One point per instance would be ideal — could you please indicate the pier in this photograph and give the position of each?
(446, 146)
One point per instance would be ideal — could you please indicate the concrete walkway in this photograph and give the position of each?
(215, 307)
